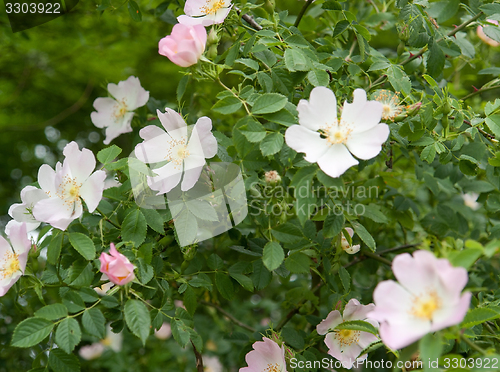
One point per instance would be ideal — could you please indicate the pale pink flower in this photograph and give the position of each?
(212, 364)
(205, 12)
(185, 154)
(115, 114)
(13, 256)
(329, 141)
(116, 266)
(23, 212)
(265, 356)
(488, 40)
(103, 289)
(351, 249)
(427, 298)
(164, 332)
(91, 352)
(345, 345)
(185, 45)
(65, 187)
(470, 200)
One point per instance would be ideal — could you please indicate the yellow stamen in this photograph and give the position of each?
(212, 6)
(425, 307)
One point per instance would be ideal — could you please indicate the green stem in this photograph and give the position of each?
(377, 257)
(107, 219)
(229, 316)
(302, 12)
(472, 345)
(480, 91)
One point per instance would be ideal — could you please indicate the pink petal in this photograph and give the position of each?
(329, 323)
(355, 311)
(130, 92)
(18, 237)
(81, 163)
(451, 314)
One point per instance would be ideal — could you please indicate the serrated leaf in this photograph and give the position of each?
(59, 361)
(295, 60)
(190, 300)
(430, 347)
(108, 154)
(435, 59)
(261, 276)
(31, 331)
(318, 78)
(268, 103)
(399, 80)
(154, 220)
(54, 248)
(227, 105)
(202, 209)
(68, 334)
(134, 11)
(83, 245)
(180, 332)
(345, 278)
(364, 235)
(254, 137)
(244, 281)
(137, 319)
(94, 322)
(358, 325)
(333, 225)
(272, 144)
(52, 312)
(480, 315)
(287, 233)
(340, 27)
(134, 228)
(273, 255)
(224, 285)
(298, 263)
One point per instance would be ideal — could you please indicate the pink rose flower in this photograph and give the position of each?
(427, 298)
(117, 267)
(205, 12)
(345, 345)
(185, 45)
(265, 356)
(488, 40)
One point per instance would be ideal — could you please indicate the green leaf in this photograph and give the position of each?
(268, 103)
(466, 257)
(479, 315)
(31, 331)
(227, 105)
(180, 332)
(134, 228)
(493, 122)
(287, 233)
(318, 78)
(428, 153)
(333, 225)
(145, 272)
(134, 11)
(154, 220)
(138, 319)
(295, 60)
(181, 88)
(54, 248)
(52, 312)
(83, 245)
(202, 209)
(493, 32)
(254, 137)
(345, 278)
(190, 300)
(364, 235)
(467, 167)
(214, 262)
(399, 80)
(94, 322)
(68, 334)
(244, 281)
(430, 347)
(435, 59)
(224, 285)
(273, 255)
(373, 212)
(298, 263)
(340, 27)
(261, 276)
(272, 144)
(108, 154)
(358, 325)
(293, 338)
(59, 361)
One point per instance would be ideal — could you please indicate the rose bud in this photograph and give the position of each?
(117, 267)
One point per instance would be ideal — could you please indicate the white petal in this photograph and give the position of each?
(150, 132)
(191, 21)
(104, 116)
(319, 111)
(329, 323)
(220, 15)
(130, 92)
(154, 150)
(46, 179)
(368, 144)
(168, 177)
(304, 140)
(56, 212)
(203, 129)
(119, 127)
(30, 226)
(91, 190)
(336, 160)
(19, 239)
(173, 123)
(193, 165)
(355, 311)
(361, 115)
(80, 163)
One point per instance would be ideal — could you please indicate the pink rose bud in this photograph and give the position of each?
(185, 45)
(117, 267)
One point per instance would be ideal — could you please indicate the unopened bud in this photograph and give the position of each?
(272, 177)
(403, 32)
(413, 109)
(212, 37)
(212, 51)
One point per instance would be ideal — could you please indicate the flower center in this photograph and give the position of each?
(336, 133)
(347, 337)
(386, 110)
(272, 368)
(120, 110)
(177, 152)
(69, 190)
(212, 6)
(425, 307)
(11, 265)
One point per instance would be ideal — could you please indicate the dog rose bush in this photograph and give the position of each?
(336, 205)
